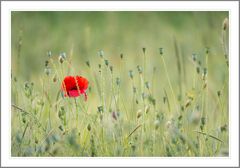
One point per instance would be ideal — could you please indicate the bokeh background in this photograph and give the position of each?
(114, 33)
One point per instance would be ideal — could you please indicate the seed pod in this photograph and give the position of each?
(156, 124)
(121, 56)
(195, 117)
(198, 70)
(152, 100)
(194, 57)
(134, 89)
(147, 109)
(106, 62)
(223, 128)
(188, 103)
(225, 24)
(24, 120)
(139, 113)
(100, 109)
(114, 115)
(205, 84)
(207, 50)
(61, 127)
(61, 59)
(130, 74)
(88, 63)
(36, 140)
(203, 121)
(47, 71)
(111, 68)
(144, 50)
(147, 85)
(136, 101)
(101, 53)
(89, 127)
(118, 81)
(49, 54)
(164, 99)
(46, 63)
(139, 68)
(168, 124)
(55, 79)
(63, 55)
(205, 71)
(143, 96)
(161, 51)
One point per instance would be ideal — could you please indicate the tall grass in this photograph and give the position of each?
(165, 98)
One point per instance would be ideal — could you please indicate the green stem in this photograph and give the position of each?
(169, 82)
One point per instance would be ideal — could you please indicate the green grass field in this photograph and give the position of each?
(158, 84)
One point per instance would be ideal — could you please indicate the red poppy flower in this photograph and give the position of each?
(75, 86)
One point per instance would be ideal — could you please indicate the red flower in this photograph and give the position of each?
(75, 86)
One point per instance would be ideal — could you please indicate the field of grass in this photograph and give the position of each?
(158, 84)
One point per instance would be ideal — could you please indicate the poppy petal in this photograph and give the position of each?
(73, 93)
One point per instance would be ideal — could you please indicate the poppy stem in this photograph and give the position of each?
(75, 100)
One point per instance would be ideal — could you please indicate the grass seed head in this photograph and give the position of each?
(198, 70)
(100, 109)
(164, 99)
(194, 57)
(130, 74)
(49, 54)
(225, 24)
(121, 56)
(46, 63)
(139, 113)
(47, 71)
(106, 62)
(134, 89)
(55, 78)
(169, 124)
(188, 103)
(62, 57)
(147, 85)
(111, 68)
(101, 53)
(152, 100)
(205, 84)
(223, 128)
(115, 115)
(88, 63)
(139, 68)
(118, 81)
(195, 117)
(147, 109)
(89, 127)
(144, 50)
(207, 50)
(161, 51)
(156, 124)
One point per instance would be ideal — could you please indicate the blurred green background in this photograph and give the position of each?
(114, 33)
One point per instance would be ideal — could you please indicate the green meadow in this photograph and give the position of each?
(158, 84)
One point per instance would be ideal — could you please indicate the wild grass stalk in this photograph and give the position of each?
(168, 79)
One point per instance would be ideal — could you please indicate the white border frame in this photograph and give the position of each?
(8, 6)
